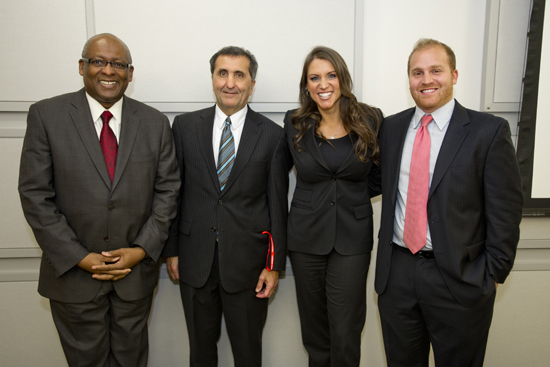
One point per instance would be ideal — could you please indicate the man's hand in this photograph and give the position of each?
(173, 267)
(270, 280)
(93, 260)
(120, 263)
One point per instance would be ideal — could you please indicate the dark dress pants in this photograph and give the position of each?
(244, 315)
(331, 293)
(417, 308)
(106, 332)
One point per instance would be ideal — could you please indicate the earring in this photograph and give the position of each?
(307, 91)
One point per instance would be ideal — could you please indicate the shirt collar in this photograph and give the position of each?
(237, 119)
(441, 116)
(97, 109)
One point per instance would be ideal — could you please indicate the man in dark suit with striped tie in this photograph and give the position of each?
(234, 171)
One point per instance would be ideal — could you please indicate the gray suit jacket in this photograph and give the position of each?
(474, 205)
(71, 205)
(254, 200)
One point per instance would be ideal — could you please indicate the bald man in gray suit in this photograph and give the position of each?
(99, 196)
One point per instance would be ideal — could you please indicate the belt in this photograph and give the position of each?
(420, 254)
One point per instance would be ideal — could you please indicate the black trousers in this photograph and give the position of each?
(331, 293)
(417, 308)
(107, 331)
(244, 315)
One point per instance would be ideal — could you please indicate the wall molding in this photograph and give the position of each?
(494, 53)
(23, 264)
(93, 26)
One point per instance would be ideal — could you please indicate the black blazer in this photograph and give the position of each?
(254, 200)
(330, 210)
(474, 204)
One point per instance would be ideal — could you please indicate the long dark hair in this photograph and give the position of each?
(358, 118)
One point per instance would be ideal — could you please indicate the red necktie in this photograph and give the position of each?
(416, 214)
(108, 143)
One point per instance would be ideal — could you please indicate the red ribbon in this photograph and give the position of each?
(270, 252)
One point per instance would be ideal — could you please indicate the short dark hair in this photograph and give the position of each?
(106, 35)
(425, 43)
(236, 51)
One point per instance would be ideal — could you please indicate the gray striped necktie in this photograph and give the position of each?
(226, 155)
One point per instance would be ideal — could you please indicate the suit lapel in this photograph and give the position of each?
(129, 128)
(459, 126)
(204, 132)
(352, 157)
(249, 138)
(397, 133)
(82, 119)
(312, 147)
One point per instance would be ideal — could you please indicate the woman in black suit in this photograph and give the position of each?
(333, 141)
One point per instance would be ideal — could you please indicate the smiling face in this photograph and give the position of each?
(232, 83)
(431, 79)
(323, 85)
(106, 85)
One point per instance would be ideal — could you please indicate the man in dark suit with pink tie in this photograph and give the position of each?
(451, 209)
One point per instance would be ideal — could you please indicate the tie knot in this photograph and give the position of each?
(426, 119)
(106, 117)
(228, 121)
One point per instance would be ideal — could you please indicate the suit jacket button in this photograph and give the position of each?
(106, 238)
(220, 202)
(213, 229)
(332, 203)
(111, 208)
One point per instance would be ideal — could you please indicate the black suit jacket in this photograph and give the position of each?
(474, 204)
(71, 205)
(254, 200)
(330, 210)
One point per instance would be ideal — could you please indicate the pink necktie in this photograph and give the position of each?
(108, 143)
(416, 214)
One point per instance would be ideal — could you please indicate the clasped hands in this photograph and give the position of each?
(112, 265)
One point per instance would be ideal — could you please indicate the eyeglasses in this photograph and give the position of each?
(100, 64)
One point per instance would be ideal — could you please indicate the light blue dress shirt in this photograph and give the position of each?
(437, 129)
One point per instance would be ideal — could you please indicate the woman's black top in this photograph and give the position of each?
(336, 152)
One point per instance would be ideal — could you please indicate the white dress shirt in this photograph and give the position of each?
(97, 109)
(237, 124)
(437, 129)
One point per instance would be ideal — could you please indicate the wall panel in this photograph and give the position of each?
(41, 43)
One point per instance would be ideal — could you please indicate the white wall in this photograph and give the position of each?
(391, 29)
(521, 322)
